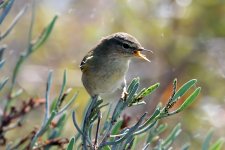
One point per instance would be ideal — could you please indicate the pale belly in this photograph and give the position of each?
(105, 81)
(111, 81)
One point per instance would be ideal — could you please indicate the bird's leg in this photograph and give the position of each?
(97, 130)
(124, 93)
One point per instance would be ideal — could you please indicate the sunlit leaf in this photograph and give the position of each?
(189, 100)
(61, 122)
(133, 82)
(45, 34)
(117, 127)
(161, 128)
(17, 93)
(71, 143)
(148, 91)
(218, 145)
(151, 119)
(206, 143)
(183, 89)
(132, 89)
(106, 148)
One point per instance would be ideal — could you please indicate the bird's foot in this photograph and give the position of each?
(124, 95)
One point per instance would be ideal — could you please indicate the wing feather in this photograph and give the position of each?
(83, 64)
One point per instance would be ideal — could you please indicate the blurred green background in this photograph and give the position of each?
(187, 37)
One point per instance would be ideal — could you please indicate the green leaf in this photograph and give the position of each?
(45, 34)
(106, 148)
(116, 127)
(189, 100)
(172, 136)
(161, 128)
(132, 89)
(135, 143)
(145, 129)
(217, 145)
(183, 89)
(59, 101)
(53, 105)
(16, 93)
(133, 82)
(147, 91)
(3, 82)
(206, 143)
(71, 143)
(61, 122)
(151, 119)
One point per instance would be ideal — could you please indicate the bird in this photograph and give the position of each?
(105, 66)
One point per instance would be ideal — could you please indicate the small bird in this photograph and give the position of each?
(105, 66)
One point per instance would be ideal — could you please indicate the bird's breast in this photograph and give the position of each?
(107, 76)
(114, 69)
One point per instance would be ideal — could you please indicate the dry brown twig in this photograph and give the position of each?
(8, 119)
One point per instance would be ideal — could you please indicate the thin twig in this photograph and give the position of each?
(15, 113)
(170, 104)
(52, 142)
(97, 130)
(23, 140)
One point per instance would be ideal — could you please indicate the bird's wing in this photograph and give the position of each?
(83, 64)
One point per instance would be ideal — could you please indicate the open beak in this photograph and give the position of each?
(139, 54)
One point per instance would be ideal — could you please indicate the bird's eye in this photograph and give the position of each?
(126, 46)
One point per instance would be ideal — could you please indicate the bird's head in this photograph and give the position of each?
(122, 45)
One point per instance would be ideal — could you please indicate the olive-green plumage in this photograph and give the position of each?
(105, 66)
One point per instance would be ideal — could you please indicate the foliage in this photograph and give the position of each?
(112, 136)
